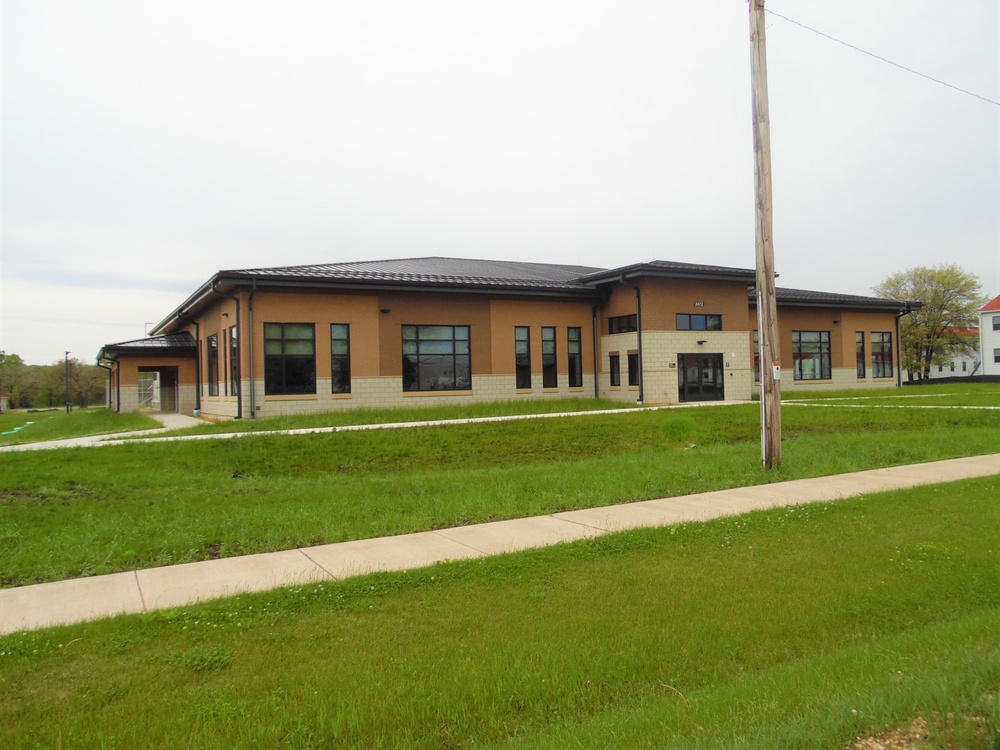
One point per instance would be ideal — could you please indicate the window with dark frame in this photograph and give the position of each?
(811, 355)
(859, 356)
(550, 372)
(574, 348)
(213, 365)
(436, 358)
(340, 358)
(234, 362)
(633, 368)
(882, 354)
(615, 369)
(623, 323)
(522, 357)
(756, 356)
(996, 355)
(289, 359)
(691, 322)
(996, 322)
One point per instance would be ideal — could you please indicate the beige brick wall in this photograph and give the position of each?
(387, 392)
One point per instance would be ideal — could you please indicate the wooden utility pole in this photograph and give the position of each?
(767, 315)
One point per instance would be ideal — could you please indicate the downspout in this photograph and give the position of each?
(638, 334)
(197, 360)
(899, 347)
(593, 314)
(253, 390)
(118, 387)
(239, 343)
(105, 367)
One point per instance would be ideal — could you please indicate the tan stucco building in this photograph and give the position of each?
(263, 342)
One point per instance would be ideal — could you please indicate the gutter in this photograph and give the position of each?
(197, 359)
(910, 307)
(595, 334)
(239, 343)
(106, 367)
(253, 390)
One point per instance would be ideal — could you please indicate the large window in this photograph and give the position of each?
(213, 365)
(996, 322)
(633, 368)
(623, 324)
(550, 372)
(574, 347)
(340, 358)
(289, 358)
(615, 369)
(881, 354)
(234, 362)
(859, 348)
(687, 322)
(436, 358)
(756, 356)
(811, 355)
(522, 357)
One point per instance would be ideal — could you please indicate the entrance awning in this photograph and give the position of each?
(173, 344)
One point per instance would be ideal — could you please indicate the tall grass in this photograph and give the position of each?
(793, 628)
(32, 427)
(86, 511)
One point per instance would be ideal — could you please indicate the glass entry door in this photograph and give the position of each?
(701, 377)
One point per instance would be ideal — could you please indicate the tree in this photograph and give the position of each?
(950, 299)
(16, 381)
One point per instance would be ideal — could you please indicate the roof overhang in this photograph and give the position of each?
(169, 345)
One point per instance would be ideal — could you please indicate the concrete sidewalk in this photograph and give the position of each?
(81, 599)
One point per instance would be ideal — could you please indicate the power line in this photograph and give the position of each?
(877, 57)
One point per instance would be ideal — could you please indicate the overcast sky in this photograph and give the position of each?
(147, 145)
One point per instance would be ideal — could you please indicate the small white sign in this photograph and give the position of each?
(777, 371)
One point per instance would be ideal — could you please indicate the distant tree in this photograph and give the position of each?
(950, 299)
(16, 381)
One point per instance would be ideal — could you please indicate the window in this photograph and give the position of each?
(615, 369)
(213, 365)
(996, 322)
(289, 358)
(996, 355)
(436, 358)
(811, 355)
(340, 358)
(882, 355)
(550, 374)
(965, 366)
(859, 347)
(623, 324)
(234, 362)
(952, 363)
(686, 322)
(633, 368)
(756, 356)
(574, 347)
(522, 357)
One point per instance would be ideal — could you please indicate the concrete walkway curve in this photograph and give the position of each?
(81, 599)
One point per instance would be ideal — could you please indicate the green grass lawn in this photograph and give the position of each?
(88, 511)
(801, 627)
(34, 427)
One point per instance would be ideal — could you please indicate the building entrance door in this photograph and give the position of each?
(701, 377)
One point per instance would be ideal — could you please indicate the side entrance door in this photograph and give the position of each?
(701, 377)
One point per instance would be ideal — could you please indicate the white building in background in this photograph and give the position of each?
(989, 336)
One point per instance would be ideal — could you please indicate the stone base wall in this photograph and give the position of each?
(387, 393)
(843, 379)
